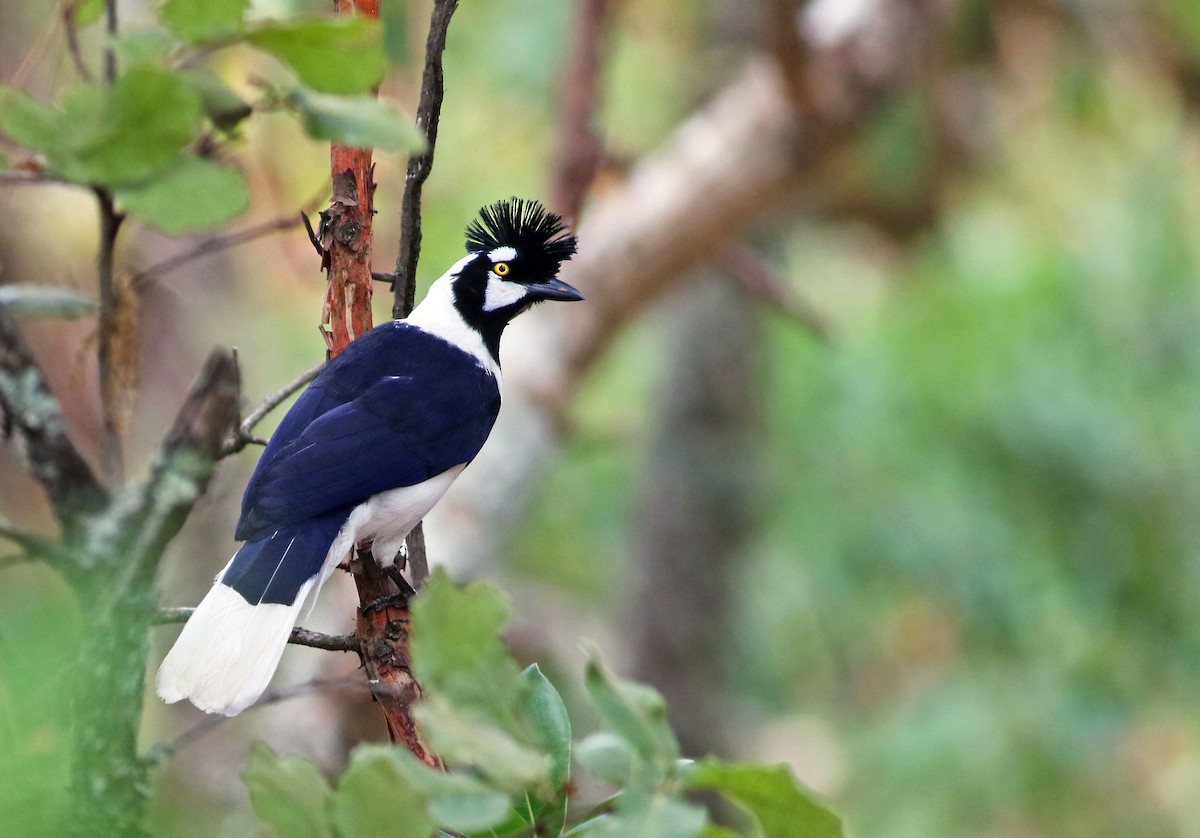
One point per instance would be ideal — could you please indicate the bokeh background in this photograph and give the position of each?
(898, 481)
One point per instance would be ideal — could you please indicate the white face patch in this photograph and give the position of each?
(502, 254)
(500, 293)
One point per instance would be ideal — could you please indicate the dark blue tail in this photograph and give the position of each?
(274, 568)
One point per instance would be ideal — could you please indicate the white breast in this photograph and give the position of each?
(438, 315)
(386, 519)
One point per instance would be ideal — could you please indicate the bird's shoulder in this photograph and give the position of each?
(378, 369)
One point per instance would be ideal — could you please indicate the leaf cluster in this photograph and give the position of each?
(154, 136)
(506, 739)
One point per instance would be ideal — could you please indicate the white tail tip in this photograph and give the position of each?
(228, 651)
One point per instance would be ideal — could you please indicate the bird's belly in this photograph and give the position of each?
(388, 517)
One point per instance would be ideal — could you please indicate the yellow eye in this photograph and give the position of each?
(501, 269)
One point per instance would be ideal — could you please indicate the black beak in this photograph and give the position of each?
(553, 289)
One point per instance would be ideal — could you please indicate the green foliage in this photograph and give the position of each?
(203, 20)
(192, 194)
(289, 794)
(505, 738)
(375, 799)
(356, 121)
(548, 719)
(772, 795)
(329, 55)
(221, 104)
(634, 712)
(87, 12)
(141, 135)
(108, 136)
(35, 699)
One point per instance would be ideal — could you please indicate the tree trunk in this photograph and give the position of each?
(696, 509)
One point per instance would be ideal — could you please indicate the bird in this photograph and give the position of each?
(365, 452)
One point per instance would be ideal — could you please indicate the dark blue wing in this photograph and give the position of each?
(396, 408)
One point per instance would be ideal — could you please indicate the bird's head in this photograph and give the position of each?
(514, 251)
(518, 248)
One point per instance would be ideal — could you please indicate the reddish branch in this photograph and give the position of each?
(345, 236)
(346, 229)
(382, 627)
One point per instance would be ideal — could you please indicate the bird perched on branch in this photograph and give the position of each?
(365, 452)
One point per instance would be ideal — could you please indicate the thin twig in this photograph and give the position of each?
(110, 386)
(213, 245)
(21, 75)
(20, 178)
(110, 45)
(752, 275)
(429, 112)
(317, 685)
(110, 225)
(244, 436)
(69, 12)
(299, 636)
(579, 149)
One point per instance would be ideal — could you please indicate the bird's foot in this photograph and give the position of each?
(400, 599)
(397, 600)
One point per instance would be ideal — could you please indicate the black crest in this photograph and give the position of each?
(539, 236)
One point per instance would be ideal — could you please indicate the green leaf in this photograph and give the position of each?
(546, 715)
(608, 756)
(128, 132)
(657, 815)
(773, 795)
(87, 12)
(461, 737)
(375, 799)
(636, 712)
(463, 804)
(711, 830)
(221, 104)
(144, 46)
(192, 194)
(27, 301)
(289, 794)
(357, 121)
(455, 801)
(457, 652)
(330, 55)
(29, 121)
(203, 20)
(108, 136)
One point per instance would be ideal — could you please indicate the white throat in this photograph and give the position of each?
(438, 315)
